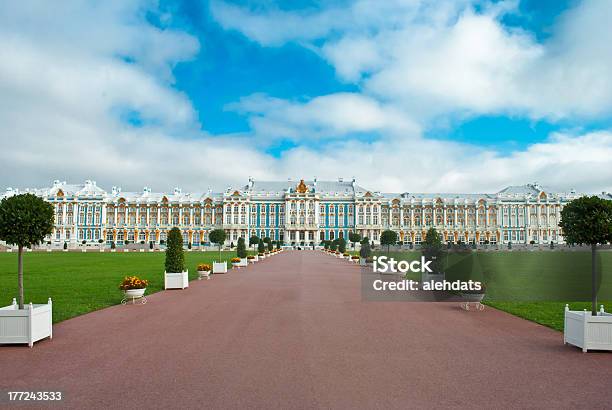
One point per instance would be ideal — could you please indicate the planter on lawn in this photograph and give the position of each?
(252, 258)
(586, 331)
(244, 262)
(134, 293)
(219, 267)
(178, 280)
(27, 325)
(204, 274)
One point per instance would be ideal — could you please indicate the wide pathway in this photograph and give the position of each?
(293, 332)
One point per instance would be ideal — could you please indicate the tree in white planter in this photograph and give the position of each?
(175, 259)
(588, 221)
(25, 220)
(175, 276)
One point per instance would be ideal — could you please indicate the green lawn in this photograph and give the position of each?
(532, 285)
(82, 282)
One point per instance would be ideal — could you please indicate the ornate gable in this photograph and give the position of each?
(301, 188)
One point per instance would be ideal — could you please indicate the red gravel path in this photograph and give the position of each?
(292, 332)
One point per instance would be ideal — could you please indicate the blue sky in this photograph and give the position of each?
(468, 95)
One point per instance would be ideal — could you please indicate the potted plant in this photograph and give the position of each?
(588, 221)
(204, 271)
(365, 251)
(133, 287)
(65, 247)
(473, 296)
(175, 276)
(113, 247)
(25, 220)
(217, 236)
(235, 262)
(252, 258)
(261, 249)
(241, 253)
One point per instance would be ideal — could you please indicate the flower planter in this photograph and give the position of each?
(101, 250)
(134, 293)
(244, 262)
(586, 331)
(204, 274)
(141, 250)
(254, 259)
(27, 325)
(235, 265)
(219, 267)
(113, 250)
(178, 280)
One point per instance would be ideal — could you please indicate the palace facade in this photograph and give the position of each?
(302, 212)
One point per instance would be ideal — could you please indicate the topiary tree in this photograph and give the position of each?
(217, 236)
(261, 247)
(588, 221)
(365, 251)
(333, 245)
(253, 240)
(270, 246)
(241, 251)
(432, 249)
(25, 220)
(354, 237)
(341, 245)
(175, 259)
(388, 238)
(66, 245)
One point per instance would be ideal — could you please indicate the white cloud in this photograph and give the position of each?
(434, 58)
(68, 68)
(325, 117)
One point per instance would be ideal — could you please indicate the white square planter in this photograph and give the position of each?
(219, 267)
(255, 259)
(244, 262)
(126, 250)
(586, 331)
(49, 250)
(176, 280)
(141, 250)
(83, 250)
(101, 250)
(28, 325)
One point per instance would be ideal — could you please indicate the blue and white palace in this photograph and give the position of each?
(302, 212)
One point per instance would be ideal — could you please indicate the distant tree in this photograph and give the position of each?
(552, 245)
(188, 245)
(151, 245)
(270, 246)
(365, 251)
(325, 244)
(232, 245)
(241, 251)
(100, 241)
(25, 220)
(113, 245)
(588, 220)
(341, 245)
(253, 240)
(66, 245)
(388, 238)
(354, 237)
(175, 258)
(333, 245)
(261, 247)
(217, 236)
(267, 240)
(509, 245)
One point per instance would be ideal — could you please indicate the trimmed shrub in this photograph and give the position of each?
(175, 259)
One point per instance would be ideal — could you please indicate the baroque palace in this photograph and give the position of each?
(301, 213)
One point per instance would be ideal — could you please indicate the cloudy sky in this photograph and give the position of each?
(404, 95)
